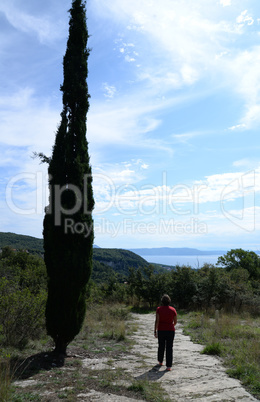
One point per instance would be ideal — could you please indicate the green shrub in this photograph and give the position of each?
(150, 391)
(21, 314)
(212, 349)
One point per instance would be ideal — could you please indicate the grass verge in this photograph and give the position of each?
(235, 338)
(5, 379)
(104, 337)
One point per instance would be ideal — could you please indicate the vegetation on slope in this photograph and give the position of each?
(233, 290)
(118, 259)
(21, 242)
(235, 338)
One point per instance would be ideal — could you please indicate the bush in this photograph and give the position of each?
(21, 314)
(212, 349)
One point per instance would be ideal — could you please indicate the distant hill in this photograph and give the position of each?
(21, 242)
(175, 251)
(118, 259)
(105, 261)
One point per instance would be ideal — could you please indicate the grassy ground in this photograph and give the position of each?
(235, 338)
(105, 335)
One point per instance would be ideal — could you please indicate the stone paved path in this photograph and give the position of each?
(194, 376)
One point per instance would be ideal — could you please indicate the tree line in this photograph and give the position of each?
(232, 285)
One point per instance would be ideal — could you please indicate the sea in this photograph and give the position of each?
(191, 260)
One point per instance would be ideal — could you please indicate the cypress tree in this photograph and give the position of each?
(68, 224)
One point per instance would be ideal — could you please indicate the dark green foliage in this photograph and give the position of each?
(28, 270)
(120, 275)
(118, 259)
(147, 284)
(21, 314)
(22, 297)
(238, 258)
(21, 242)
(183, 286)
(101, 273)
(212, 349)
(207, 288)
(68, 225)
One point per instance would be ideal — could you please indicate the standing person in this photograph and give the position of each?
(164, 330)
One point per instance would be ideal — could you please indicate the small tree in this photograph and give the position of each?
(239, 258)
(68, 225)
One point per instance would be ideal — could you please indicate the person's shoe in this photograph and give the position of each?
(168, 369)
(160, 364)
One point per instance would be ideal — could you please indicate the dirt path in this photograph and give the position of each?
(194, 376)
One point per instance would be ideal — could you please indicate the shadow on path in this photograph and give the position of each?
(24, 368)
(153, 374)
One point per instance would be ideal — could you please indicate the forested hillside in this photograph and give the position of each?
(118, 259)
(21, 242)
(121, 276)
(106, 262)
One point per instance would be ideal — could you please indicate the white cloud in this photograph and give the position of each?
(26, 122)
(184, 40)
(127, 49)
(184, 138)
(242, 71)
(252, 115)
(110, 90)
(225, 3)
(247, 163)
(127, 120)
(189, 74)
(220, 55)
(181, 199)
(189, 42)
(48, 29)
(129, 59)
(244, 18)
(144, 166)
(237, 127)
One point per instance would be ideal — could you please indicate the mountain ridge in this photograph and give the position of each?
(32, 243)
(178, 251)
(106, 262)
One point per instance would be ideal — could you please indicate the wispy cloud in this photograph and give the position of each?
(225, 3)
(27, 122)
(109, 90)
(127, 120)
(47, 29)
(247, 163)
(245, 18)
(186, 137)
(238, 127)
(187, 46)
(181, 199)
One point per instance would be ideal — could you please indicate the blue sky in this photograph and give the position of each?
(173, 125)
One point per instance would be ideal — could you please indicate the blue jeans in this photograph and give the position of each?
(165, 341)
